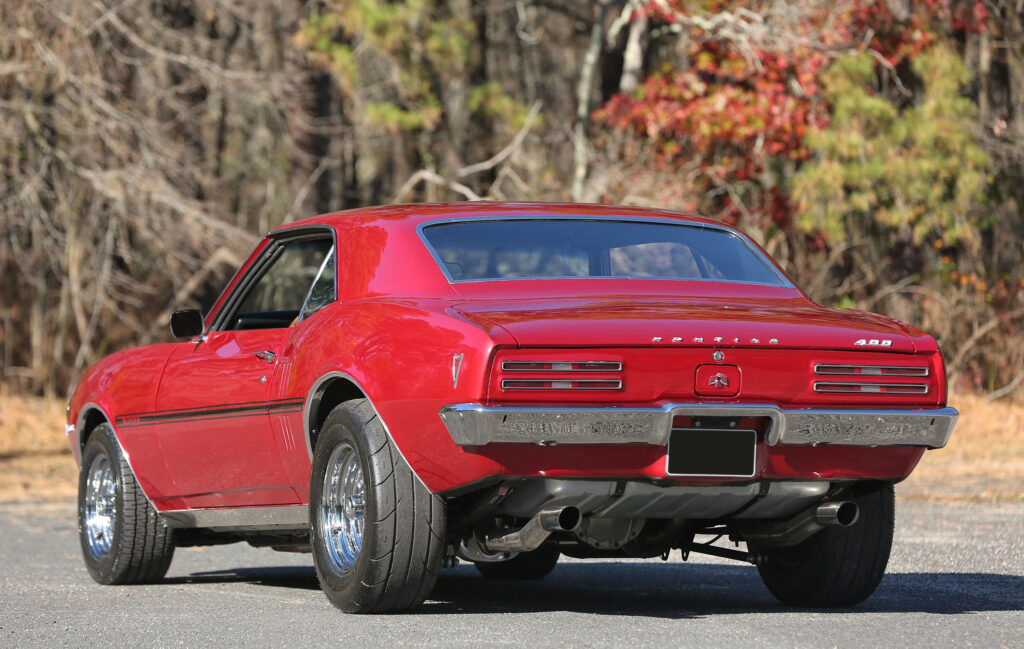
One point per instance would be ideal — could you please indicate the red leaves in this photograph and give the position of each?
(738, 106)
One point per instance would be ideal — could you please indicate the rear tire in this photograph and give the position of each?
(377, 533)
(537, 564)
(123, 540)
(839, 566)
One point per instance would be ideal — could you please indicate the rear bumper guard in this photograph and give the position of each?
(471, 424)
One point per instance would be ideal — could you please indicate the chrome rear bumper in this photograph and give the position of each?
(472, 424)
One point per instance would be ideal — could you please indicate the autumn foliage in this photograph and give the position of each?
(743, 102)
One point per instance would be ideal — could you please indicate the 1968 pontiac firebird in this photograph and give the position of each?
(394, 388)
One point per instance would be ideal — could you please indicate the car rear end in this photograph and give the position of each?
(632, 417)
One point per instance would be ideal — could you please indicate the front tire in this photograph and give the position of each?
(377, 533)
(838, 566)
(123, 541)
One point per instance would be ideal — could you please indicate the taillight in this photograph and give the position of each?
(870, 379)
(561, 366)
(582, 384)
(871, 370)
(565, 374)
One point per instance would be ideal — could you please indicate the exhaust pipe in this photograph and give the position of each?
(839, 513)
(843, 513)
(537, 530)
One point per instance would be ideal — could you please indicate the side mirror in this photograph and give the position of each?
(187, 323)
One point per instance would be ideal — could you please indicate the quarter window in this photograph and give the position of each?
(300, 281)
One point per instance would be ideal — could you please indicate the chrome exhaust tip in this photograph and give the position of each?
(537, 530)
(560, 519)
(842, 513)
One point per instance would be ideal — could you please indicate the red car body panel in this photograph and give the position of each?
(208, 424)
(199, 394)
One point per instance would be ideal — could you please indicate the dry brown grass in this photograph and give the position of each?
(35, 460)
(983, 462)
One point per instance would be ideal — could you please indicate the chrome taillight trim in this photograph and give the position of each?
(870, 388)
(563, 384)
(556, 366)
(837, 369)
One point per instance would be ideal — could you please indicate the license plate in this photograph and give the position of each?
(727, 452)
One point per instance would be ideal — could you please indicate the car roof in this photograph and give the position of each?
(417, 213)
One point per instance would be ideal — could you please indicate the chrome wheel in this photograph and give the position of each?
(343, 507)
(100, 506)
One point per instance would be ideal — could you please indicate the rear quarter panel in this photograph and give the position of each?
(400, 353)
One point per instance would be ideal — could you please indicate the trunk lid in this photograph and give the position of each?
(617, 321)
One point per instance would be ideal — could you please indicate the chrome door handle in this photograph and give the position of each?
(265, 355)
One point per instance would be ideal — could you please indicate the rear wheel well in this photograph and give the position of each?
(325, 398)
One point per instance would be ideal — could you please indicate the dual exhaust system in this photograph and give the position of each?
(842, 513)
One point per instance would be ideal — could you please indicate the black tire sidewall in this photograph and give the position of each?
(820, 571)
(342, 588)
(101, 442)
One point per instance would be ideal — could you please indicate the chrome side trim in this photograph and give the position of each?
(313, 397)
(228, 519)
(471, 424)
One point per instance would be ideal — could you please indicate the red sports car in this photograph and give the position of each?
(396, 388)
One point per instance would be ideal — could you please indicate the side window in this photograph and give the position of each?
(277, 298)
(321, 293)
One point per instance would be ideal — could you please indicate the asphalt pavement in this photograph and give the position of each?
(956, 579)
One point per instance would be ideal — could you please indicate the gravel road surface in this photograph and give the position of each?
(956, 579)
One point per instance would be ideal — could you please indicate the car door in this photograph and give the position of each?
(214, 398)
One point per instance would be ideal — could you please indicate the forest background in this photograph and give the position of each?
(874, 149)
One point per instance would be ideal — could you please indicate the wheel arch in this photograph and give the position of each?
(90, 416)
(327, 392)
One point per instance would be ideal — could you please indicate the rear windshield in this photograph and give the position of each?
(568, 248)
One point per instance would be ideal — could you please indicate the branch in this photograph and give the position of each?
(424, 175)
(978, 334)
(429, 176)
(509, 149)
(1006, 389)
(581, 154)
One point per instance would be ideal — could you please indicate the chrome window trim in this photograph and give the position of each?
(921, 370)
(743, 239)
(320, 271)
(230, 301)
